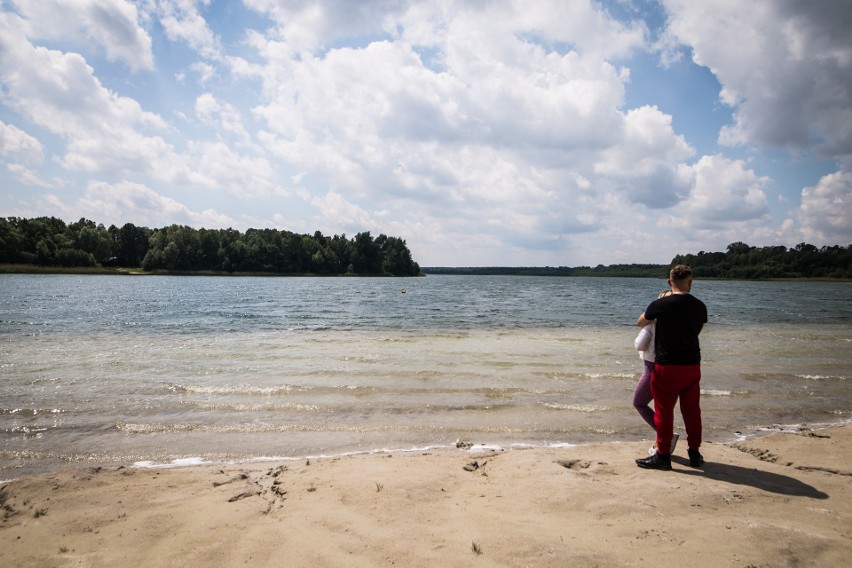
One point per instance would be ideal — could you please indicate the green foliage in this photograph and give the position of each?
(49, 242)
(741, 261)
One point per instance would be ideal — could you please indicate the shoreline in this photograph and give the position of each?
(475, 448)
(459, 447)
(128, 271)
(778, 499)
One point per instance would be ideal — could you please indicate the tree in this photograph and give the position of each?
(48, 241)
(396, 258)
(365, 257)
(11, 250)
(132, 245)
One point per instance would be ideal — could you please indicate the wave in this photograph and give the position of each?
(823, 377)
(394, 390)
(27, 431)
(716, 392)
(576, 407)
(269, 427)
(30, 412)
(234, 389)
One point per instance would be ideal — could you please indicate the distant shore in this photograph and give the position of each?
(123, 271)
(97, 270)
(780, 500)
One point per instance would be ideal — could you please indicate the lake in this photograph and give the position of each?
(98, 370)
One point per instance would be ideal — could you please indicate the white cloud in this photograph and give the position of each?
(182, 22)
(826, 210)
(107, 133)
(111, 24)
(241, 174)
(27, 176)
(341, 215)
(504, 125)
(223, 116)
(490, 139)
(129, 202)
(646, 160)
(205, 72)
(59, 92)
(16, 142)
(725, 192)
(727, 203)
(785, 66)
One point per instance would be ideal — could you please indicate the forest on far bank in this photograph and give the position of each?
(739, 261)
(50, 242)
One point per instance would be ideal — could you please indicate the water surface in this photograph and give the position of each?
(107, 370)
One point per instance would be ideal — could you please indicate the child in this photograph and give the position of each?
(642, 397)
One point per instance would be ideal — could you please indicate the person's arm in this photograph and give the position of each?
(643, 339)
(643, 321)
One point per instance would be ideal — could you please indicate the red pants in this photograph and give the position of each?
(668, 383)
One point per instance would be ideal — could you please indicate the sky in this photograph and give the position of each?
(483, 133)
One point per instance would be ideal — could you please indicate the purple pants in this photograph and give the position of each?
(642, 396)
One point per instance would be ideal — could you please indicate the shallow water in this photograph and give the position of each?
(105, 370)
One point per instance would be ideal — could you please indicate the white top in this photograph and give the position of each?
(644, 342)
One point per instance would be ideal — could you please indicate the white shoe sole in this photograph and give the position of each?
(675, 437)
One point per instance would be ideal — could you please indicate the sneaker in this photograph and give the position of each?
(695, 458)
(657, 461)
(653, 449)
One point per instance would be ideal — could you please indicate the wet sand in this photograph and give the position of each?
(781, 500)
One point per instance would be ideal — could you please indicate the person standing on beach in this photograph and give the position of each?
(679, 319)
(642, 396)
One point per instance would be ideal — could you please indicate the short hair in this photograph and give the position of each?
(680, 272)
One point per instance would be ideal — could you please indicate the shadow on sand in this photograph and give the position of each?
(764, 480)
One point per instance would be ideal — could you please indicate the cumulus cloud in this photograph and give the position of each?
(182, 21)
(506, 126)
(826, 210)
(341, 215)
(217, 165)
(221, 115)
(129, 202)
(484, 122)
(106, 132)
(111, 24)
(785, 67)
(725, 191)
(646, 161)
(28, 177)
(59, 92)
(16, 142)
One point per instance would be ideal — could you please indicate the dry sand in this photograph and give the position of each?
(783, 500)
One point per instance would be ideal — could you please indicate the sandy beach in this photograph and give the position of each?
(781, 500)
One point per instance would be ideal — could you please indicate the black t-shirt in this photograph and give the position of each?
(679, 318)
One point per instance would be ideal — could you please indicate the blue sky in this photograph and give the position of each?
(558, 133)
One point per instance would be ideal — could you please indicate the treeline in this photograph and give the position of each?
(740, 261)
(50, 242)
